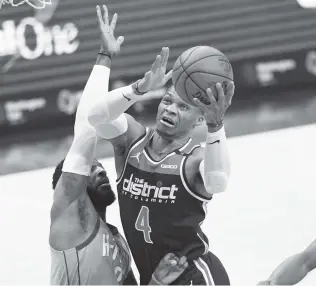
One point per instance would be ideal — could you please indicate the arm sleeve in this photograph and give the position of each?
(106, 111)
(215, 166)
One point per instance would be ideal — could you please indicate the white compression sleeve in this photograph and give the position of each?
(215, 168)
(106, 114)
(81, 154)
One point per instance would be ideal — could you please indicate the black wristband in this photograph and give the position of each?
(214, 125)
(105, 54)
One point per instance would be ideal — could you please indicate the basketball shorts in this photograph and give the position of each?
(206, 270)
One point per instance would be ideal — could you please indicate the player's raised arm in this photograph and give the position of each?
(215, 167)
(107, 113)
(78, 162)
(295, 268)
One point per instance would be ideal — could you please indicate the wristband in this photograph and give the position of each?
(105, 54)
(213, 125)
(220, 134)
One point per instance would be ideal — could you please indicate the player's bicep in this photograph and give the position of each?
(69, 187)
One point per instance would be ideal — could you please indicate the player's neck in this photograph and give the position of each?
(162, 145)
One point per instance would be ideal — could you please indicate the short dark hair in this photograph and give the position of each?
(57, 173)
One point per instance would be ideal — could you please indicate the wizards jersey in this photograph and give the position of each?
(159, 211)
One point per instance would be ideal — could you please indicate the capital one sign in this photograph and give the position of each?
(55, 40)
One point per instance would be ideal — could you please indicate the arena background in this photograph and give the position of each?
(46, 56)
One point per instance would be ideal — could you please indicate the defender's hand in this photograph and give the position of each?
(156, 77)
(108, 42)
(215, 111)
(169, 269)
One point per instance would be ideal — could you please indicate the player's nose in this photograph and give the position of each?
(171, 109)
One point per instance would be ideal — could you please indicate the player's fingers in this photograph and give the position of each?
(165, 57)
(156, 64)
(113, 22)
(172, 262)
(170, 256)
(199, 103)
(220, 94)
(106, 15)
(99, 16)
(210, 96)
(182, 260)
(168, 76)
(120, 40)
(230, 92)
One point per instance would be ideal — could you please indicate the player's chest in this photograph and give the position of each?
(169, 164)
(115, 256)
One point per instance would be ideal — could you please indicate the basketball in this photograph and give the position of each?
(199, 68)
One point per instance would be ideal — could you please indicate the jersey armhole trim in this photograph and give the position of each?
(91, 237)
(135, 144)
(185, 180)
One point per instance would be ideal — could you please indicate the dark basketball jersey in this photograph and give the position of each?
(159, 211)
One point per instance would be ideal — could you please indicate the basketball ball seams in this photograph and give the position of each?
(187, 57)
(199, 88)
(208, 56)
(186, 92)
(188, 76)
(219, 75)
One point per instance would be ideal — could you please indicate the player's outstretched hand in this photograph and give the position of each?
(169, 269)
(108, 42)
(215, 111)
(156, 77)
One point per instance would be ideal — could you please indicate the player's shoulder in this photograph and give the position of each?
(197, 153)
(195, 157)
(124, 141)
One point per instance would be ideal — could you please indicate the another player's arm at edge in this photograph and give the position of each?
(292, 270)
(72, 185)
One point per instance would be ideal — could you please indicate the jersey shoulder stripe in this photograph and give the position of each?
(185, 180)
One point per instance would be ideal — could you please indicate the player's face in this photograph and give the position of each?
(99, 188)
(175, 117)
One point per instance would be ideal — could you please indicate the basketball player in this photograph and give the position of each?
(85, 250)
(295, 268)
(165, 178)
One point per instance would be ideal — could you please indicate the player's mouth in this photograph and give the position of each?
(168, 121)
(103, 184)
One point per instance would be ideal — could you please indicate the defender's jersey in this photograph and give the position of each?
(159, 211)
(103, 259)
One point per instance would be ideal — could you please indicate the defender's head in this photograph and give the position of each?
(98, 189)
(176, 118)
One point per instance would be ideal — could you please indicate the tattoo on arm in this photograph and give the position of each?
(83, 213)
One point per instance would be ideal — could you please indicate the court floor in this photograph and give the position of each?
(267, 213)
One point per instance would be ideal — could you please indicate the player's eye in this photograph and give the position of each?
(183, 107)
(167, 101)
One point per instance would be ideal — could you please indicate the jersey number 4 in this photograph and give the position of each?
(142, 223)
